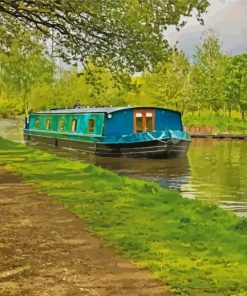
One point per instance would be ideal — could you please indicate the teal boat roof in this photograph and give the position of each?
(96, 110)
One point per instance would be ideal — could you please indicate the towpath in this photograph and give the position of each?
(45, 250)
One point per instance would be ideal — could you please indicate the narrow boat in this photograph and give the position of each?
(119, 131)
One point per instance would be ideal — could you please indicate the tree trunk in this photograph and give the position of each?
(242, 111)
(224, 109)
(230, 111)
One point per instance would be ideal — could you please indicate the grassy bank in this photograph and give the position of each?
(198, 249)
(215, 123)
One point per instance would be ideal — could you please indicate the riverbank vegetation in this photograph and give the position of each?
(194, 247)
(212, 123)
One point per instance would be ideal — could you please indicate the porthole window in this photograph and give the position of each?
(73, 125)
(91, 125)
(36, 123)
(48, 124)
(61, 125)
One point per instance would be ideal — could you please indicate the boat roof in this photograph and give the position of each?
(96, 110)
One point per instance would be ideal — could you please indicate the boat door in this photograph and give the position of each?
(143, 120)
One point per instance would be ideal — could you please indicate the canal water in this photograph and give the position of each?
(213, 170)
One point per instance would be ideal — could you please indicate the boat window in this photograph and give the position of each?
(143, 121)
(36, 123)
(61, 125)
(74, 125)
(139, 122)
(91, 125)
(149, 121)
(48, 124)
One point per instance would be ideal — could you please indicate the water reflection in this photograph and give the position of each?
(169, 173)
(214, 170)
(12, 129)
(218, 172)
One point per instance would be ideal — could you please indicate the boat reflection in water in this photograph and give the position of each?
(170, 173)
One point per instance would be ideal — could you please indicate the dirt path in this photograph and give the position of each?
(45, 250)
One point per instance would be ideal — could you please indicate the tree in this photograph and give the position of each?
(120, 34)
(22, 66)
(208, 73)
(71, 86)
(236, 86)
(169, 84)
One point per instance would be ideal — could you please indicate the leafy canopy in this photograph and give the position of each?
(124, 34)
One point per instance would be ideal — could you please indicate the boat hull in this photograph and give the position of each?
(165, 148)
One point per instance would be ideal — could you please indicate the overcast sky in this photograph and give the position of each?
(228, 17)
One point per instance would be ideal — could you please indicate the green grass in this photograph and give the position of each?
(219, 123)
(197, 248)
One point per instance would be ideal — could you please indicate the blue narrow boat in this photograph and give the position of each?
(119, 131)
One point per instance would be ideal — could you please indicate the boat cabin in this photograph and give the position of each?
(116, 121)
(119, 131)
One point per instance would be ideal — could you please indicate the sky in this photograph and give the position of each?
(227, 17)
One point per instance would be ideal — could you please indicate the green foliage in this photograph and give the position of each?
(97, 89)
(208, 73)
(23, 66)
(169, 84)
(236, 88)
(195, 247)
(10, 107)
(216, 122)
(119, 34)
